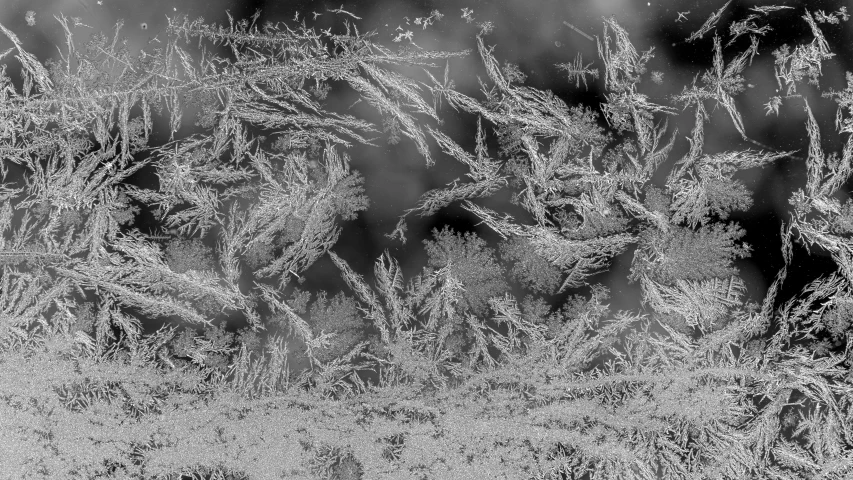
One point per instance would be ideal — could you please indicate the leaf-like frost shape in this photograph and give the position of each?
(702, 303)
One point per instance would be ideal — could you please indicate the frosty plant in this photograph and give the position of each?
(113, 218)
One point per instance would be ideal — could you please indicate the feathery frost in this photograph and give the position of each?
(492, 361)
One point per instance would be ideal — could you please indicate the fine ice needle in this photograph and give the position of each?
(579, 31)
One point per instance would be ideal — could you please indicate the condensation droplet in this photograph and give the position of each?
(557, 43)
(143, 26)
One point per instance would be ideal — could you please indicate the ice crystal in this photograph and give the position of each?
(437, 372)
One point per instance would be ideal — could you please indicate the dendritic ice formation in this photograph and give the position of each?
(496, 360)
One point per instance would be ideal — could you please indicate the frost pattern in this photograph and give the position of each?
(445, 374)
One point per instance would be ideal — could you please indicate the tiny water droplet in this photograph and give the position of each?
(557, 44)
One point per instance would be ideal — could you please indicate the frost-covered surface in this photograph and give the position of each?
(450, 373)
